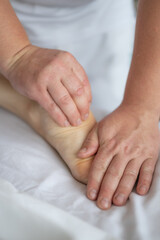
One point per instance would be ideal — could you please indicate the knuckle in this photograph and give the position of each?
(103, 151)
(83, 110)
(55, 113)
(89, 140)
(125, 188)
(55, 110)
(106, 191)
(137, 150)
(148, 170)
(126, 149)
(58, 118)
(109, 145)
(131, 173)
(79, 91)
(145, 182)
(91, 143)
(114, 172)
(56, 66)
(64, 100)
(46, 74)
(51, 107)
(73, 112)
(100, 166)
(151, 153)
(129, 149)
(112, 144)
(68, 55)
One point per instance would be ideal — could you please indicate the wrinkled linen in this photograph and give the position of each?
(30, 164)
(33, 167)
(25, 218)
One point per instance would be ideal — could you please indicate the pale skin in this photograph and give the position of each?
(66, 140)
(125, 143)
(51, 77)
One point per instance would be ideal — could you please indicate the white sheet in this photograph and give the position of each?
(29, 163)
(25, 218)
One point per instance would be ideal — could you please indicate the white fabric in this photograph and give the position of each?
(33, 167)
(30, 219)
(100, 35)
(57, 3)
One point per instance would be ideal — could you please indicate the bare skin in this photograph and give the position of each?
(129, 144)
(128, 140)
(66, 140)
(51, 77)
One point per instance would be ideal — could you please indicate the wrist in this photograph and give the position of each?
(140, 110)
(9, 61)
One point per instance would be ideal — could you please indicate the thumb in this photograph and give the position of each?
(90, 145)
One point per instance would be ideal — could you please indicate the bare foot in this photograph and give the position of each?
(67, 141)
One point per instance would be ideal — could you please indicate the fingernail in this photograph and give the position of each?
(86, 116)
(93, 194)
(104, 203)
(66, 124)
(79, 121)
(120, 198)
(83, 150)
(143, 189)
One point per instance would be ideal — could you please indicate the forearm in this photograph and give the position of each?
(143, 84)
(13, 37)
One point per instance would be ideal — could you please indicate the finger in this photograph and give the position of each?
(145, 176)
(87, 88)
(90, 145)
(111, 181)
(77, 92)
(127, 182)
(54, 111)
(81, 74)
(63, 99)
(98, 168)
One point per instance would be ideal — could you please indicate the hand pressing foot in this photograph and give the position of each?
(66, 140)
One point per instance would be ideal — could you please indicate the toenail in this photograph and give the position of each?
(104, 203)
(120, 198)
(143, 189)
(66, 124)
(86, 116)
(93, 194)
(79, 121)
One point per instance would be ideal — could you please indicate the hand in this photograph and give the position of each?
(55, 80)
(127, 145)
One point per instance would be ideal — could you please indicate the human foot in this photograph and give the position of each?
(66, 140)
